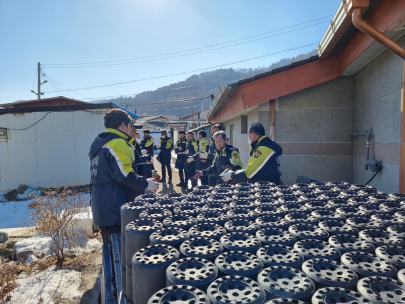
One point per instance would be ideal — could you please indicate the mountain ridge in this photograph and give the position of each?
(195, 86)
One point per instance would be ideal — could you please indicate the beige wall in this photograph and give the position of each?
(378, 106)
(313, 127)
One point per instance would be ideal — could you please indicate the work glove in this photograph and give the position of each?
(197, 174)
(190, 159)
(203, 155)
(152, 185)
(144, 152)
(157, 146)
(186, 152)
(226, 176)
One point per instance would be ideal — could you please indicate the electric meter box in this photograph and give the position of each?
(4, 133)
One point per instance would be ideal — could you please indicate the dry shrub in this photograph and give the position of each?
(39, 265)
(8, 275)
(33, 205)
(54, 217)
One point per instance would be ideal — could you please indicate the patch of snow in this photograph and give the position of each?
(92, 244)
(15, 214)
(46, 285)
(31, 258)
(41, 246)
(85, 214)
(38, 245)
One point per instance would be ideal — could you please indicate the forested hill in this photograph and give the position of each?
(159, 102)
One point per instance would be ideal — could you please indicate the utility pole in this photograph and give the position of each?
(39, 80)
(39, 83)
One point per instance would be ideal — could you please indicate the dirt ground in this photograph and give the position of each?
(164, 188)
(91, 276)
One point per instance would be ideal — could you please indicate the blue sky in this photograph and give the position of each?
(86, 31)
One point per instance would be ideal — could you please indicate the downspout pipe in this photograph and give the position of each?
(356, 8)
(402, 142)
(365, 27)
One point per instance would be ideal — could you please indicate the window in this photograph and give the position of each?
(243, 124)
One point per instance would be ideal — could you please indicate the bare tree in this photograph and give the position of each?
(8, 275)
(55, 215)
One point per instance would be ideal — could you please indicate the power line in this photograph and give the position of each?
(176, 56)
(193, 71)
(171, 89)
(187, 107)
(53, 86)
(172, 101)
(63, 86)
(194, 49)
(47, 87)
(32, 86)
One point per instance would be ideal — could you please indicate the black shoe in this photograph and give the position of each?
(189, 190)
(179, 184)
(162, 180)
(184, 186)
(170, 181)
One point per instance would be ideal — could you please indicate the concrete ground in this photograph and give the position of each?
(165, 188)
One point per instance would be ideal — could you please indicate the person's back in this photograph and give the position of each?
(108, 157)
(264, 163)
(202, 153)
(180, 148)
(267, 167)
(111, 172)
(212, 180)
(189, 167)
(166, 146)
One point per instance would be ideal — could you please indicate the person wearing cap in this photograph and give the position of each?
(264, 163)
(133, 127)
(201, 158)
(112, 174)
(140, 155)
(147, 142)
(189, 167)
(166, 146)
(180, 148)
(136, 157)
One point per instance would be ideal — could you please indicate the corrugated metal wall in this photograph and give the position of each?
(53, 151)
